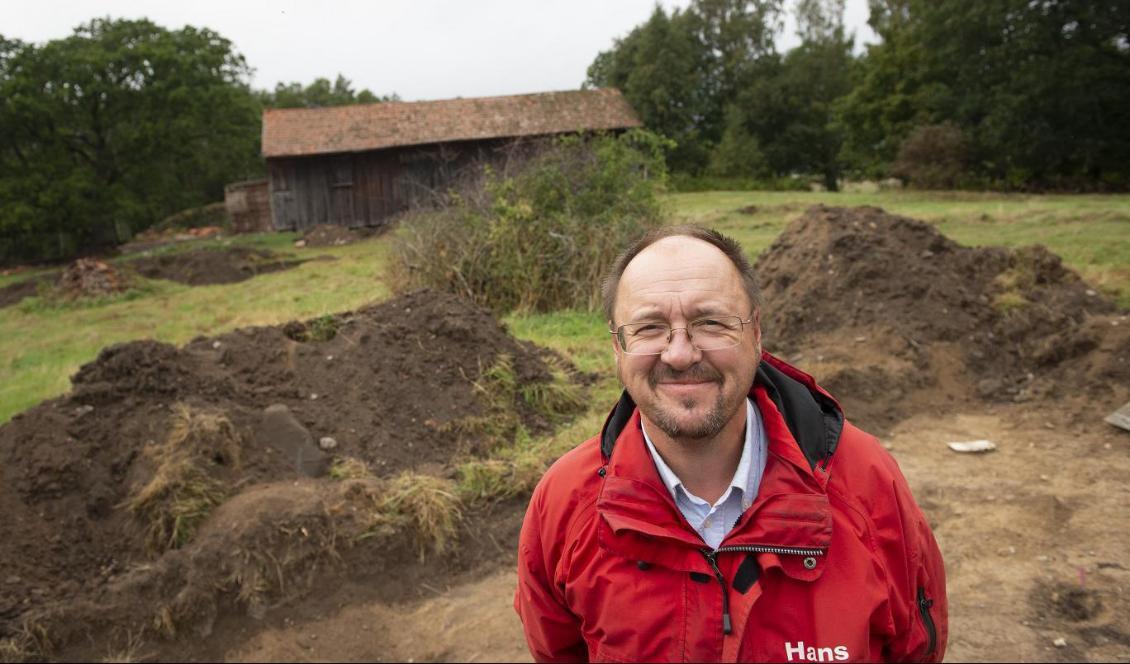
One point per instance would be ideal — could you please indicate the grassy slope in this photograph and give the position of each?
(41, 346)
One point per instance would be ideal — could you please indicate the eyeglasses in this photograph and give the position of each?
(710, 333)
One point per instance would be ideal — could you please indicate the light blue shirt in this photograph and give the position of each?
(714, 522)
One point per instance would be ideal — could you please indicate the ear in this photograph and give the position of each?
(616, 350)
(755, 329)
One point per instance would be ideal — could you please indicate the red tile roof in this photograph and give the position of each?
(289, 132)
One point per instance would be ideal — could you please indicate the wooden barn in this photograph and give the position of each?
(358, 165)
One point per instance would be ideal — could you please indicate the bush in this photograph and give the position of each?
(933, 157)
(541, 238)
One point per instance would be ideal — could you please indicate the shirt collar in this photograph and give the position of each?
(741, 479)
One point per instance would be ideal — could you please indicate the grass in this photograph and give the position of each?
(184, 488)
(40, 347)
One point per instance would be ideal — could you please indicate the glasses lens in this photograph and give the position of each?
(644, 338)
(717, 332)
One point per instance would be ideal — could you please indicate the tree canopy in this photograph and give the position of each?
(1019, 93)
(117, 126)
(124, 122)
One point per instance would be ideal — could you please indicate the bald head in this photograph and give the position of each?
(701, 253)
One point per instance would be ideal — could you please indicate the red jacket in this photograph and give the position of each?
(834, 561)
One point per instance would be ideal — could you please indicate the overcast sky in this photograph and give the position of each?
(419, 49)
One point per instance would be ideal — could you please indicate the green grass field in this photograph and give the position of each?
(42, 344)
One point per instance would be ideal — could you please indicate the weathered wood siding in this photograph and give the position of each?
(365, 189)
(249, 206)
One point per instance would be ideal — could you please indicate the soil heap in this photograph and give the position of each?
(211, 266)
(174, 484)
(89, 277)
(330, 235)
(893, 316)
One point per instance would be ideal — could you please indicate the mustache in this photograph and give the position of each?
(696, 372)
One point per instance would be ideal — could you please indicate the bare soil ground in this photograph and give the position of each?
(212, 266)
(100, 486)
(925, 342)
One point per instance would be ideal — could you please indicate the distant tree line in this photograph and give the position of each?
(123, 123)
(1007, 94)
(107, 131)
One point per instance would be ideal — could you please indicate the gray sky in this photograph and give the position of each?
(420, 49)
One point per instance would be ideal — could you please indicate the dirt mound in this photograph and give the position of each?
(173, 484)
(330, 235)
(14, 293)
(882, 306)
(212, 266)
(88, 277)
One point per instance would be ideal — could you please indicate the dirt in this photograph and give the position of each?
(90, 277)
(15, 293)
(386, 383)
(897, 318)
(211, 266)
(924, 342)
(332, 235)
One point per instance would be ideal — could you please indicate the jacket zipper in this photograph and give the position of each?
(924, 605)
(712, 558)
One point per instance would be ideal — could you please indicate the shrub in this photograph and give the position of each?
(541, 238)
(933, 157)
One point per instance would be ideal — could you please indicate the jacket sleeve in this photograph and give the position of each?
(553, 632)
(917, 578)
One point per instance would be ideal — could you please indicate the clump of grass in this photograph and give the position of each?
(349, 468)
(557, 398)
(322, 328)
(427, 507)
(31, 643)
(500, 391)
(183, 489)
(486, 480)
(1009, 301)
(129, 652)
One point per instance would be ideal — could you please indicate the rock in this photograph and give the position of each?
(972, 446)
(1060, 642)
(1120, 418)
(279, 429)
(327, 443)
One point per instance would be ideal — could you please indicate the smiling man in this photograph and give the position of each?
(727, 511)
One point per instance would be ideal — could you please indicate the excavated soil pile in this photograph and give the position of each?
(894, 316)
(88, 277)
(212, 266)
(242, 423)
(331, 235)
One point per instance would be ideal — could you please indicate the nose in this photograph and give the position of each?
(680, 352)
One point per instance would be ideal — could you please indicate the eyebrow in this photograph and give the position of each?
(652, 314)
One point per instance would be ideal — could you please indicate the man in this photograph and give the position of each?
(727, 511)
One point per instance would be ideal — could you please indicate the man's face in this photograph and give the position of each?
(685, 392)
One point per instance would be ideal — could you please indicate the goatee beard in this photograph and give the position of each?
(668, 422)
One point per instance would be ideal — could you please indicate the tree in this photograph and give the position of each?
(785, 110)
(681, 71)
(111, 129)
(1042, 87)
(320, 93)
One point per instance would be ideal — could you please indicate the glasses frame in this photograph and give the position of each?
(617, 333)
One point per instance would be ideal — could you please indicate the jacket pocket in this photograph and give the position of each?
(924, 604)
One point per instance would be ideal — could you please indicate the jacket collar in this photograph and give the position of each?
(802, 423)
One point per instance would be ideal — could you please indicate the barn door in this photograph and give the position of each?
(341, 191)
(284, 214)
